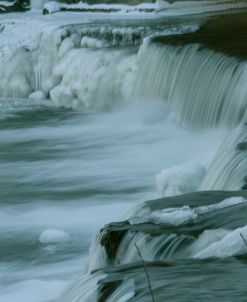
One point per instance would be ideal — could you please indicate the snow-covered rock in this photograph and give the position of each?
(51, 7)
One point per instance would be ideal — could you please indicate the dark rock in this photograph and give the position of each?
(229, 217)
(16, 6)
(45, 11)
(110, 240)
(242, 146)
(244, 187)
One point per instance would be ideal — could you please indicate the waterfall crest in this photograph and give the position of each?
(203, 88)
(74, 66)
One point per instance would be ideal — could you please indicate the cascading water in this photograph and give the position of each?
(198, 231)
(202, 88)
(228, 170)
(73, 171)
(167, 233)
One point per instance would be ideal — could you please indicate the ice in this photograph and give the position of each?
(51, 7)
(179, 180)
(53, 236)
(183, 215)
(231, 244)
(91, 42)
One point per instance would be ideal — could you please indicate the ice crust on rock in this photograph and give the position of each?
(182, 215)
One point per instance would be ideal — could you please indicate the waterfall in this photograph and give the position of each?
(228, 170)
(75, 66)
(202, 88)
(213, 230)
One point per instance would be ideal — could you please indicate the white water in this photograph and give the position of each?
(73, 69)
(217, 242)
(203, 88)
(110, 166)
(229, 167)
(75, 171)
(224, 245)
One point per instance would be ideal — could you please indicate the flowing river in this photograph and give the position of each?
(97, 117)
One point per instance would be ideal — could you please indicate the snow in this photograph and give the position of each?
(53, 236)
(231, 244)
(22, 29)
(52, 7)
(6, 3)
(161, 6)
(182, 215)
(179, 180)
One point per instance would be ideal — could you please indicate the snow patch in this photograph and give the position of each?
(54, 236)
(183, 215)
(51, 7)
(230, 245)
(179, 180)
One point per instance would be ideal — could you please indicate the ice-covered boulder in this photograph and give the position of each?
(51, 7)
(53, 236)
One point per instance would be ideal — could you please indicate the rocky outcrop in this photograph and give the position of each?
(174, 253)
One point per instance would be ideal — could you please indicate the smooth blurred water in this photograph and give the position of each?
(76, 171)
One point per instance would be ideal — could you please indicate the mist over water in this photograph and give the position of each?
(96, 118)
(75, 171)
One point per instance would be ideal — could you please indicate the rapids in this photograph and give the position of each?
(98, 114)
